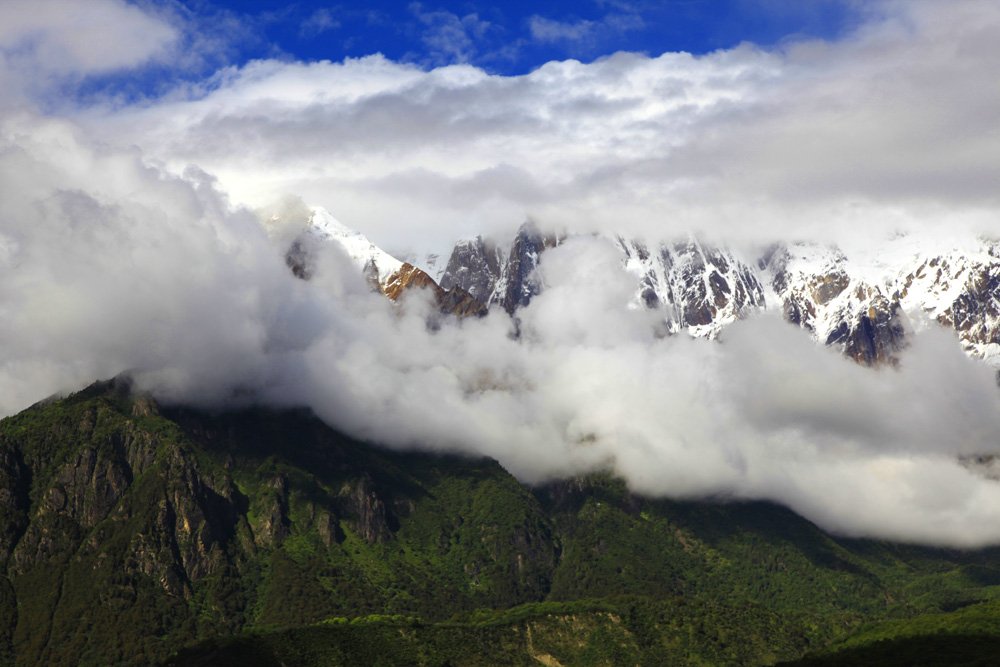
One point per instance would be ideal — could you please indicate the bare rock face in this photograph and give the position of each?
(14, 484)
(493, 276)
(816, 291)
(366, 512)
(474, 266)
(517, 282)
(272, 510)
(326, 526)
(866, 307)
(297, 258)
(960, 290)
(805, 290)
(455, 300)
(179, 525)
(873, 336)
(451, 300)
(700, 288)
(383, 272)
(408, 277)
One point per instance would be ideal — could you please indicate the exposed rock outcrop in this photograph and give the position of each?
(366, 512)
(493, 276)
(698, 287)
(455, 300)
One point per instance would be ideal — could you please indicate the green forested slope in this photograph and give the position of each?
(128, 531)
(964, 637)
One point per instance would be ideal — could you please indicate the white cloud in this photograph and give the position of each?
(583, 32)
(62, 36)
(319, 21)
(111, 265)
(108, 264)
(893, 126)
(47, 42)
(115, 257)
(448, 37)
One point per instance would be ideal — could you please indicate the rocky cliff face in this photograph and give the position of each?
(494, 275)
(698, 287)
(453, 300)
(814, 288)
(474, 266)
(867, 304)
(960, 289)
(863, 304)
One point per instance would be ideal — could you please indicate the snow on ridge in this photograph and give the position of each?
(433, 261)
(953, 282)
(363, 252)
(701, 288)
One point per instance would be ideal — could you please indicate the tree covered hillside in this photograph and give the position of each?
(129, 531)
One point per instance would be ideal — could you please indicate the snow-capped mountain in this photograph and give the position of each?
(375, 263)
(698, 287)
(385, 273)
(864, 302)
(960, 289)
(868, 301)
(819, 289)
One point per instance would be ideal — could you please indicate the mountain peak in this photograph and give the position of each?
(385, 273)
(364, 253)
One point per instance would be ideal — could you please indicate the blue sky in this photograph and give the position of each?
(516, 37)
(508, 39)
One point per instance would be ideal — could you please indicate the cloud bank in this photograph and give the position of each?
(892, 127)
(110, 264)
(125, 251)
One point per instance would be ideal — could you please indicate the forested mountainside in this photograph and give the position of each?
(130, 531)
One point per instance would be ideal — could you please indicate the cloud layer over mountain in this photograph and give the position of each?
(109, 264)
(115, 257)
(894, 126)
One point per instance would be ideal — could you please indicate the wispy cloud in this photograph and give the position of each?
(583, 34)
(448, 37)
(320, 21)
